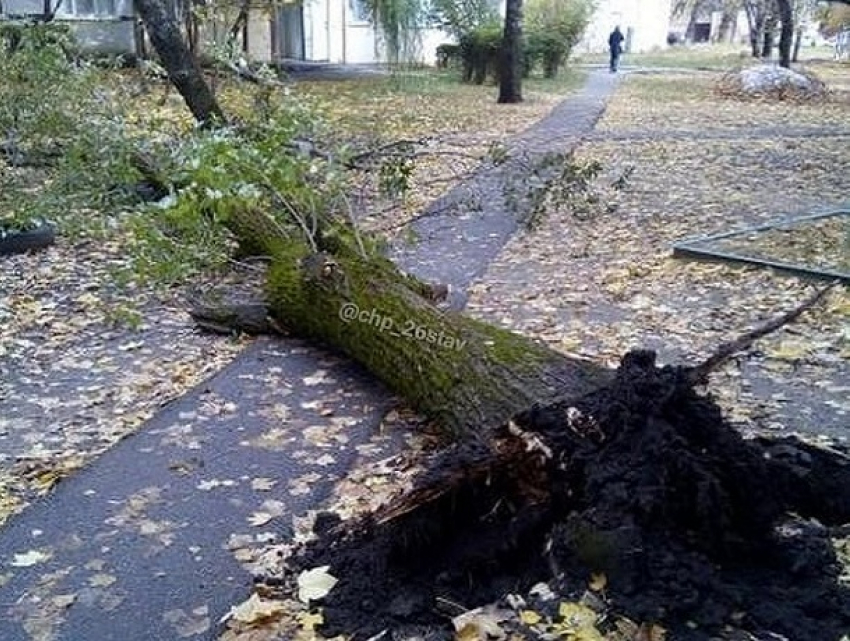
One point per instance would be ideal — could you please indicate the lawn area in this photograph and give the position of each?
(714, 57)
(701, 164)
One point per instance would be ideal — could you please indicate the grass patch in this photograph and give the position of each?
(429, 102)
(700, 56)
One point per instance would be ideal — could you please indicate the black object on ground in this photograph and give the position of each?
(36, 236)
(706, 247)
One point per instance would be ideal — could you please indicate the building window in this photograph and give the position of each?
(357, 12)
(83, 8)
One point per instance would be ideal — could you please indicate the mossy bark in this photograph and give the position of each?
(461, 372)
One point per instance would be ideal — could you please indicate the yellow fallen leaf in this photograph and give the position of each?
(30, 558)
(309, 620)
(47, 479)
(788, 351)
(102, 580)
(579, 621)
(530, 617)
(468, 632)
(255, 610)
(598, 582)
(315, 584)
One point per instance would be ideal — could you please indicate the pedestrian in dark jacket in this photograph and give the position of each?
(615, 46)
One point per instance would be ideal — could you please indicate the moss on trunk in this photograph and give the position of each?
(463, 373)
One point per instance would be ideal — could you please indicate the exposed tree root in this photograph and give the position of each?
(642, 480)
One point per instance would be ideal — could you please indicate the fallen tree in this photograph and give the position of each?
(557, 467)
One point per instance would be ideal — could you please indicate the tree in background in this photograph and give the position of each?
(833, 17)
(179, 62)
(510, 72)
(460, 17)
(786, 32)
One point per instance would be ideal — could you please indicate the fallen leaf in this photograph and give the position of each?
(485, 622)
(598, 581)
(530, 617)
(255, 610)
(102, 580)
(63, 600)
(30, 558)
(258, 519)
(315, 584)
(309, 620)
(262, 484)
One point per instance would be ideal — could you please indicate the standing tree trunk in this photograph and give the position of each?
(798, 41)
(755, 18)
(767, 41)
(726, 30)
(182, 67)
(786, 32)
(510, 76)
(692, 21)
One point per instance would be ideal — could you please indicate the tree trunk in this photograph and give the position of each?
(727, 26)
(510, 74)
(767, 42)
(798, 42)
(786, 32)
(463, 373)
(690, 30)
(755, 18)
(182, 67)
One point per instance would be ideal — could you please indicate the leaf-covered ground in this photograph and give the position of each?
(600, 286)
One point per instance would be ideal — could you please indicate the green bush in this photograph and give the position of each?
(461, 17)
(552, 29)
(479, 53)
(448, 55)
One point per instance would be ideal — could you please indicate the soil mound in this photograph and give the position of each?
(642, 481)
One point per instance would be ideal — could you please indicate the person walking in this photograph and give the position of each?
(615, 46)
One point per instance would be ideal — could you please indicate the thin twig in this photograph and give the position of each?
(698, 374)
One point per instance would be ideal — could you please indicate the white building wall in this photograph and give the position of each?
(316, 41)
(259, 36)
(648, 21)
(335, 32)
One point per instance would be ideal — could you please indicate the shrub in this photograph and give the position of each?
(461, 18)
(448, 55)
(479, 53)
(553, 28)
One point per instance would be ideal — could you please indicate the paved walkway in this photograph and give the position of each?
(465, 229)
(140, 545)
